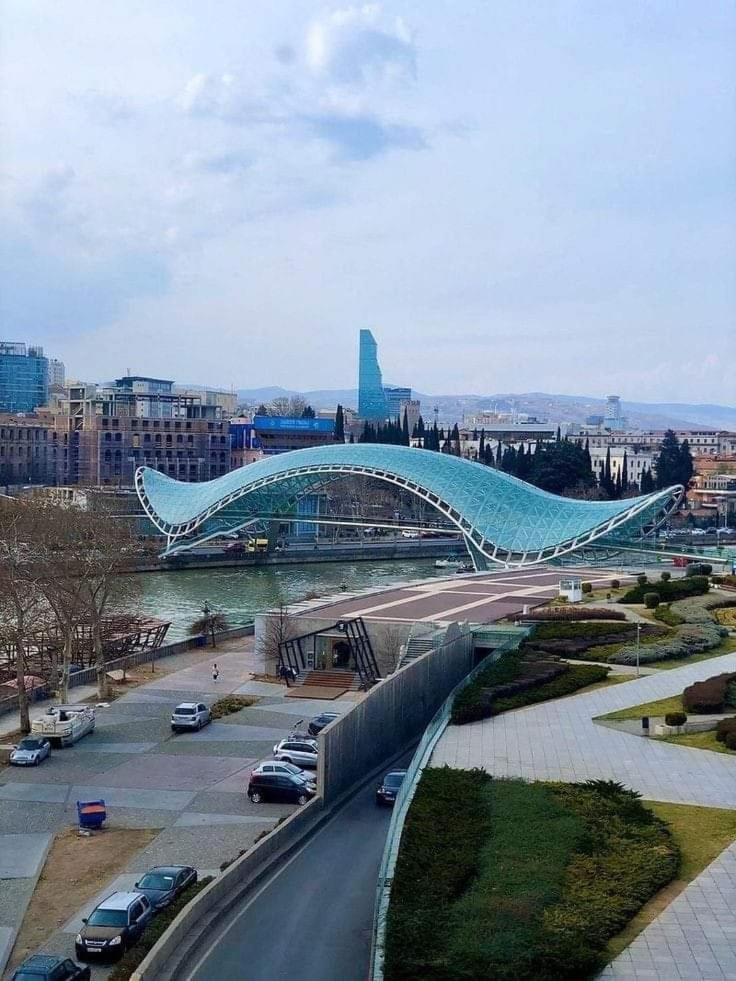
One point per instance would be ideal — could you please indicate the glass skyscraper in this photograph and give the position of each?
(23, 377)
(372, 402)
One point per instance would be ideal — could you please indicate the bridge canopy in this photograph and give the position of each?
(503, 519)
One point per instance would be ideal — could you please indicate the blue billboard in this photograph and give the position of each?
(281, 424)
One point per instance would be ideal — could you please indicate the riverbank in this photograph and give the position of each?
(301, 555)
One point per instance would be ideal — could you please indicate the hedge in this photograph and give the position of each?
(708, 697)
(675, 589)
(675, 719)
(578, 676)
(668, 616)
(724, 727)
(514, 881)
(651, 600)
(698, 632)
(562, 613)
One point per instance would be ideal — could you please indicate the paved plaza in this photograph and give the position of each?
(695, 937)
(191, 786)
(481, 598)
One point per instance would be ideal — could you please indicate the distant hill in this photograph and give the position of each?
(556, 408)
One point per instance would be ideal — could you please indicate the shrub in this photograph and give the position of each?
(698, 569)
(666, 576)
(561, 613)
(615, 583)
(642, 579)
(231, 703)
(724, 727)
(587, 587)
(707, 697)
(668, 616)
(730, 740)
(671, 590)
(675, 719)
(651, 600)
(578, 676)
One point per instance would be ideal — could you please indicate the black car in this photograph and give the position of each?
(319, 722)
(286, 787)
(164, 883)
(48, 967)
(113, 925)
(388, 788)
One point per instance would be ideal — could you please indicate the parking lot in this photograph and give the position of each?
(189, 787)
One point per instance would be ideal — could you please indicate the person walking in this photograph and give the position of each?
(215, 672)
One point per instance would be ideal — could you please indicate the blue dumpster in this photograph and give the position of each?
(92, 813)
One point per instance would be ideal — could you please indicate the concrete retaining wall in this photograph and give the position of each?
(222, 894)
(395, 712)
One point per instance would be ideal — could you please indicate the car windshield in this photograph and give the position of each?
(393, 780)
(30, 744)
(108, 918)
(290, 768)
(184, 710)
(156, 880)
(28, 975)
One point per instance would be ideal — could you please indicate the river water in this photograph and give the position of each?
(240, 593)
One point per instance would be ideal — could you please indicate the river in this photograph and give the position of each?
(240, 593)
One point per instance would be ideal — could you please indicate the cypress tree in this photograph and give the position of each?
(405, 429)
(339, 424)
(625, 473)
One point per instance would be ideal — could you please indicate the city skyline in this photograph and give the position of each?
(499, 197)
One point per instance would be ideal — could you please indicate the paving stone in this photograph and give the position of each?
(43, 792)
(191, 819)
(163, 800)
(22, 855)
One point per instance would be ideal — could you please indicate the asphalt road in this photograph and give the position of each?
(312, 919)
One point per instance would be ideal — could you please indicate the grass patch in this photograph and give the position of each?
(533, 888)
(699, 740)
(659, 708)
(701, 834)
(231, 704)
(132, 958)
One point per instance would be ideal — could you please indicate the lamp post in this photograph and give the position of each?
(638, 639)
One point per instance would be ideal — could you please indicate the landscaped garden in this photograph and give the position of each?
(510, 880)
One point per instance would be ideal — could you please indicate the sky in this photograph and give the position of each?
(513, 195)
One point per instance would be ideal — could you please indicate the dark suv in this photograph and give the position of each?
(113, 925)
(46, 967)
(287, 787)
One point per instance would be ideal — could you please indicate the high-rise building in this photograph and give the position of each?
(23, 377)
(613, 419)
(56, 373)
(395, 395)
(372, 402)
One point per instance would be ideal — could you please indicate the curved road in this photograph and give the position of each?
(311, 920)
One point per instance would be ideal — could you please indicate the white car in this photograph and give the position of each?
(30, 751)
(303, 752)
(190, 715)
(284, 769)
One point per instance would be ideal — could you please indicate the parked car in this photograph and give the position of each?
(113, 926)
(48, 967)
(190, 715)
(163, 884)
(319, 722)
(286, 787)
(388, 788)
(277, 766)
(30, 751)
(303, 752)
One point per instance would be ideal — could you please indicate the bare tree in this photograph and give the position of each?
(279, 626)
(209, 624)
(22, 610)
(387, 643)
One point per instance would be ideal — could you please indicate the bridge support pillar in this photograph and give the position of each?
(480, 562)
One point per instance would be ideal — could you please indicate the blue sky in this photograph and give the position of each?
(513, 195)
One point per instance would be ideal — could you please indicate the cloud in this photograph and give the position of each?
(364, 137)
(356, 46)
(220, 96)
(106, 108)
(226, 163)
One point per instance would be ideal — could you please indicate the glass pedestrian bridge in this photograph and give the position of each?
(503, 520)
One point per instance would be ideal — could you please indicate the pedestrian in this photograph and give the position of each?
(215, 672)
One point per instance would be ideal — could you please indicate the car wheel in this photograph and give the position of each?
(199, 724)
(302, 799)
(36, 760)
(255, 797)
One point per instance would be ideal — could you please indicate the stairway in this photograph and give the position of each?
(335, 678)
(416, 647)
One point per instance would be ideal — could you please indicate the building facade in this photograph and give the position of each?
(279, 434)
(24, 382)
(56, 373)
(31, 451)
(395, 395)
(372, 403)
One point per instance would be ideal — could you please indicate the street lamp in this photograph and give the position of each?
(638, 642)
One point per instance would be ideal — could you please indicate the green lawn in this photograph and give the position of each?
(700, 740)
(519, 881)
(658, 708)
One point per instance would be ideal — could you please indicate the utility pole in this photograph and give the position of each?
(638, 644)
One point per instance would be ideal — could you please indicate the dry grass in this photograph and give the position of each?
(76, 869)
(658, 708)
